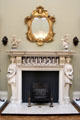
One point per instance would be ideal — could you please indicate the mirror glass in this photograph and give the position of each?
(40, 27)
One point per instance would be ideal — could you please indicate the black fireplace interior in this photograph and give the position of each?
(40, 86)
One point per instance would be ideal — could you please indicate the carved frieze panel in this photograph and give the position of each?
(40, 61)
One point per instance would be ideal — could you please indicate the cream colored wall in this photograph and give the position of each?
(12, 14)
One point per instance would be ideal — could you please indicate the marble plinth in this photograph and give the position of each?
(77, 102)
(2, 103)
(37, 109)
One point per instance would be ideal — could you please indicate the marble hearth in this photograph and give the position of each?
(40, 61)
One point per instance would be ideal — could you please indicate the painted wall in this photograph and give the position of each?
(12, 14)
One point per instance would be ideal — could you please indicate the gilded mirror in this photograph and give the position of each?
(40, 26)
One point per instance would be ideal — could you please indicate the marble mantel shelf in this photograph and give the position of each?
(40, 53)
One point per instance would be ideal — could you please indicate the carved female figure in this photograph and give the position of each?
(68, 72)
(11, 75)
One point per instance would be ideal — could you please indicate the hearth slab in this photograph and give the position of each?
(36, 109)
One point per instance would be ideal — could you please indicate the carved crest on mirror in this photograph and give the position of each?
(40, 26)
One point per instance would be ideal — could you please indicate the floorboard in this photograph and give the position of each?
(72, 117)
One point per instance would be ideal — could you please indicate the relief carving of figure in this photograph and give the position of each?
(11, 75)
(68, 73)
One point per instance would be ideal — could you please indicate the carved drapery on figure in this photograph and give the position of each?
(11, 75)
(68, 73)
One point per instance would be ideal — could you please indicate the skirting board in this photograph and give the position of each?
(76, 94)
(3, 94)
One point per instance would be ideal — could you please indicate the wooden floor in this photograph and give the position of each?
(72, 117)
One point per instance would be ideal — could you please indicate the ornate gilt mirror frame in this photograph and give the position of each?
(40, 13)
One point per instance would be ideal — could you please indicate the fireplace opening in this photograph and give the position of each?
(40, 91)
(40, 86)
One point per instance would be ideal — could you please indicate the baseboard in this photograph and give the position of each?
(76, 94)
(3, 94)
